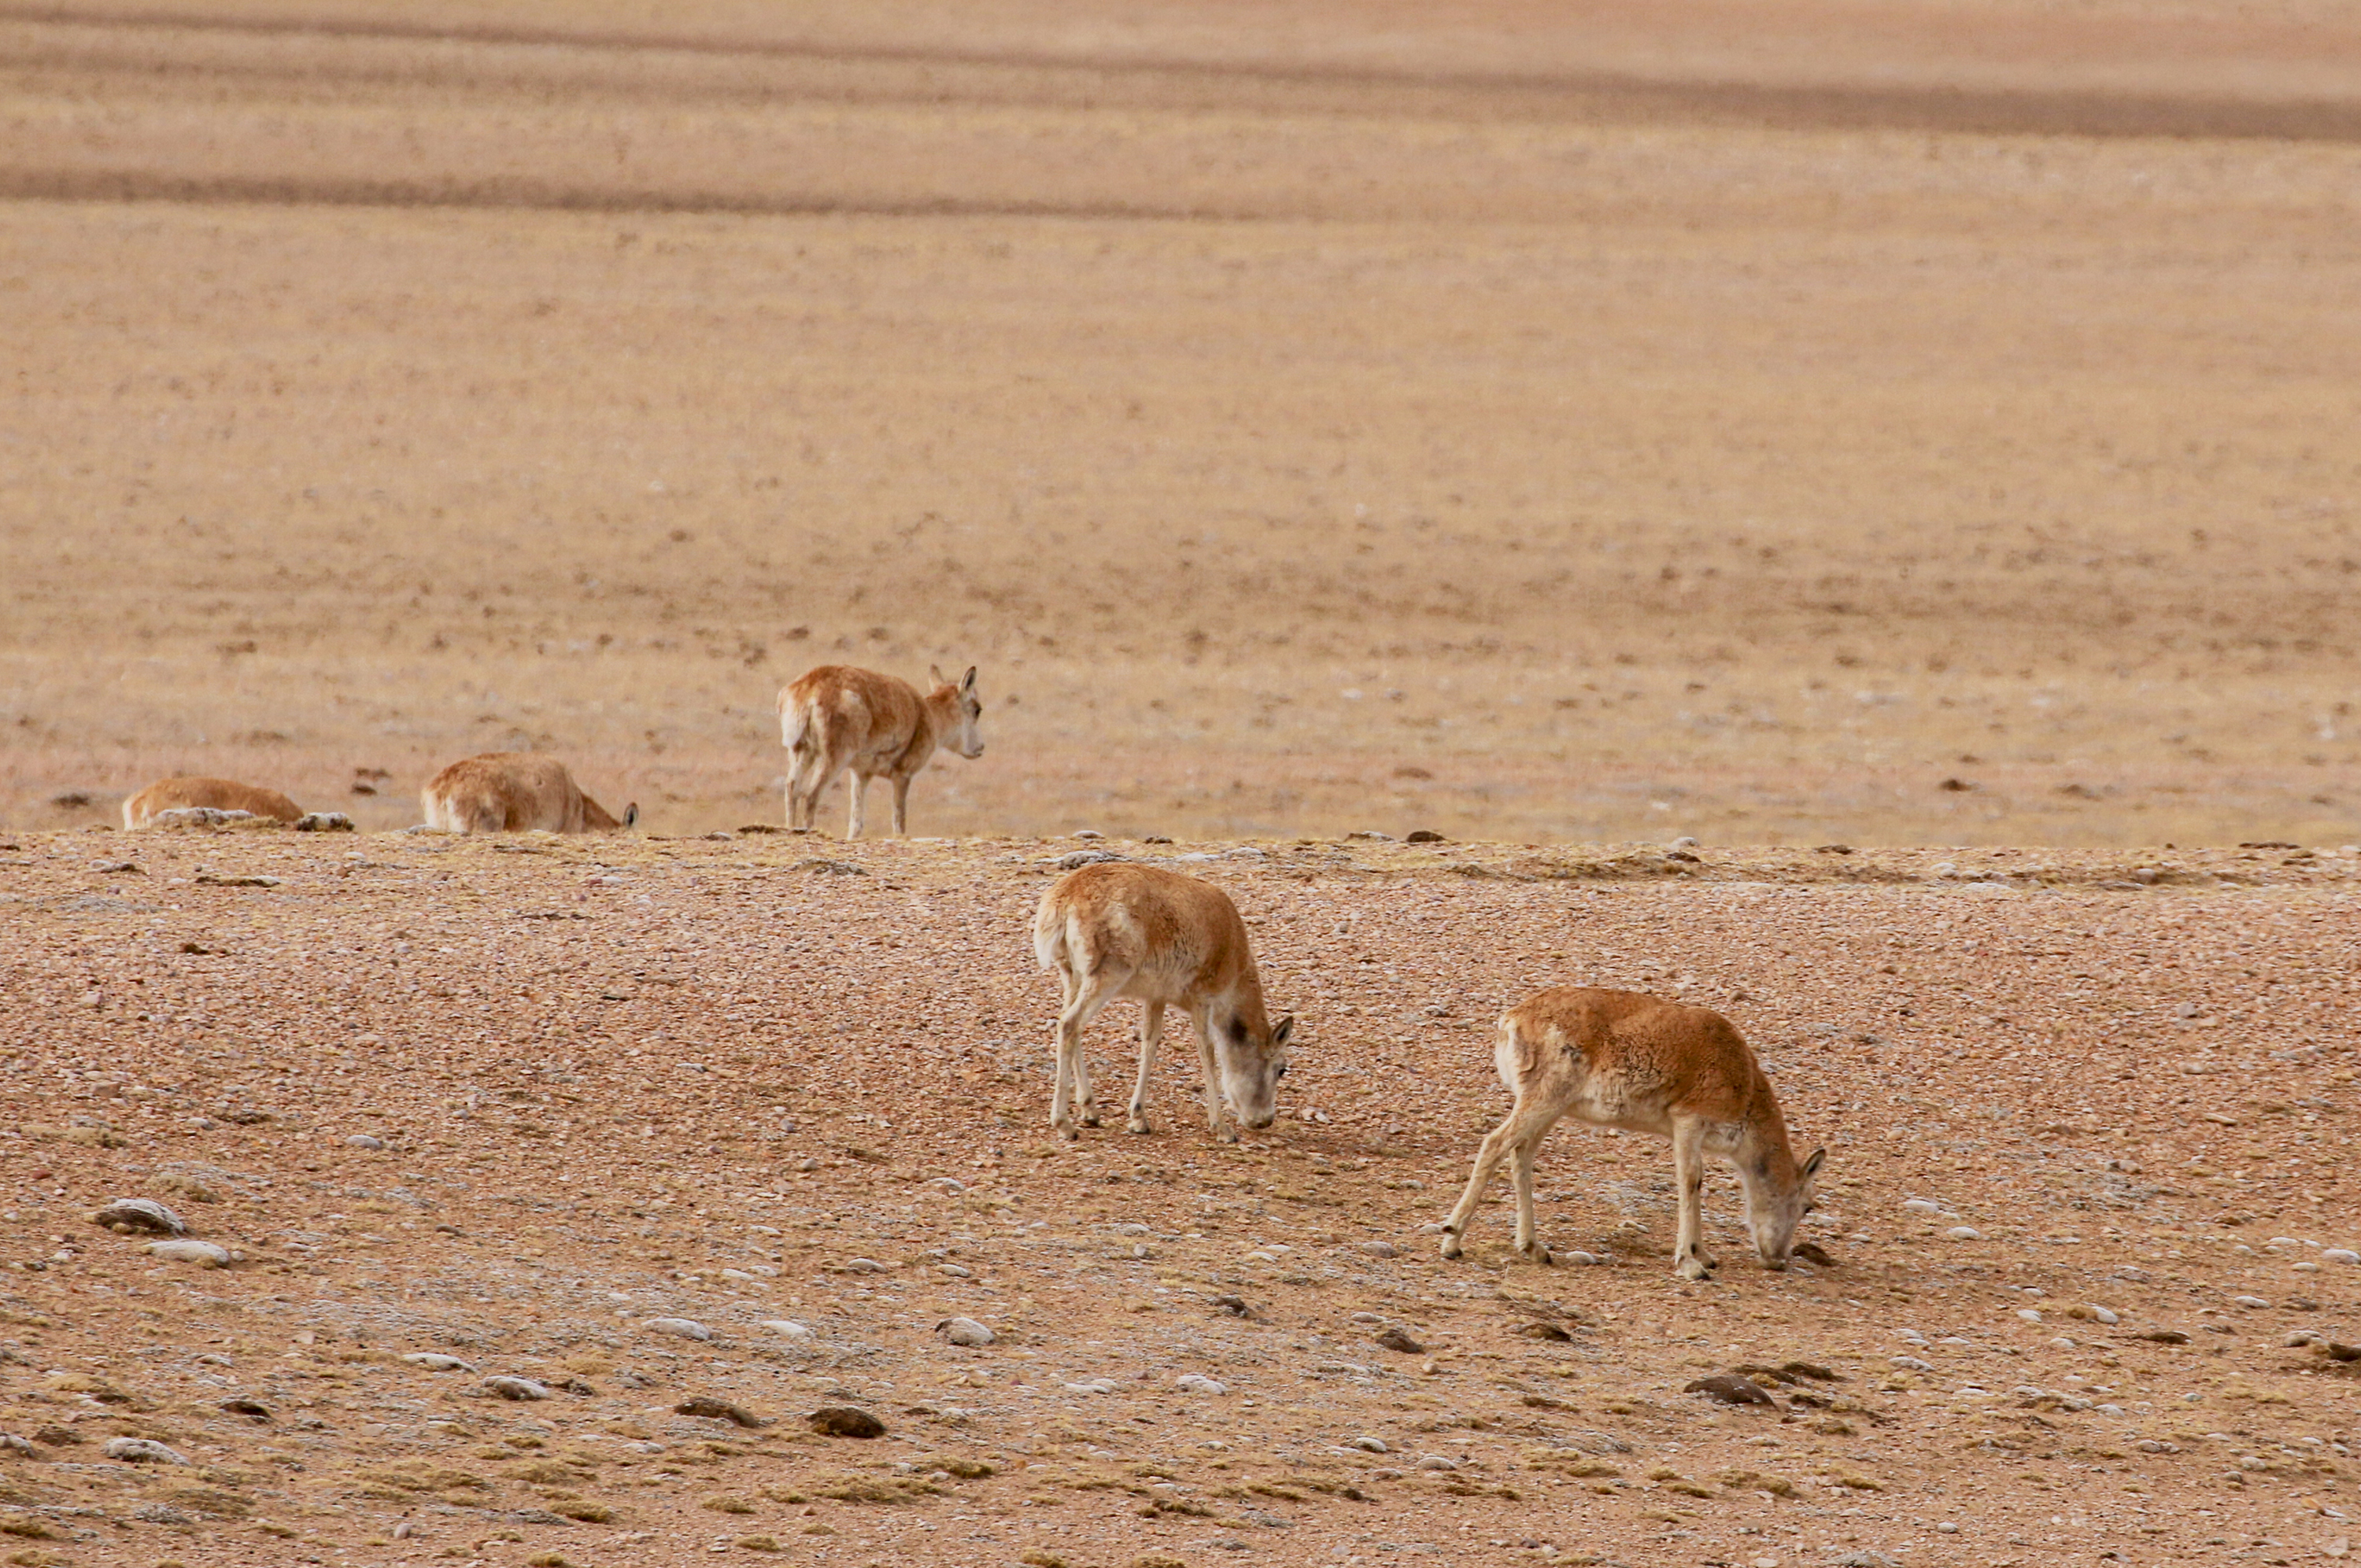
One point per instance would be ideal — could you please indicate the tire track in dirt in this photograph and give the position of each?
(1587, 96)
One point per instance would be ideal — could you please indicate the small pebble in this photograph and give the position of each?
(1197, 1382)
(435, 1360)
(1921, 1206)
(141, 1214)
(787, 1328)
(140, 1451)
(2249, 1301)
(515, 1389)
(1396, 1339)
(843, 1420)
(363, 1141)
(964, 1331)
(1369, 1445)
(1381, 1249)
(1964, 1234)
(2340, 1254)
(189, 1250)
(1437, 1462)
(680, 1328)
(1911, 1363)
(713, 1410)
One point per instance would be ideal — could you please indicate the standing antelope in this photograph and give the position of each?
(222, 794)
(838, 716)
(1620, 1059)
(514, 792)
(1117, 930)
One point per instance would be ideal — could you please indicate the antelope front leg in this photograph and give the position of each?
(1689, 1259)
(1213, 1120)
(1151, 1035)
(901, 808)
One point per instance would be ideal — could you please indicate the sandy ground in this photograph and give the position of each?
(1540, 425)
(775, 1078)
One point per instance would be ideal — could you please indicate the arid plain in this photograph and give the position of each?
(1928, 430)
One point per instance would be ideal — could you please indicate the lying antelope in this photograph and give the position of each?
(1620, 1059)
(837, 716)
(1116, 929)
(219, 795)
(514, 792)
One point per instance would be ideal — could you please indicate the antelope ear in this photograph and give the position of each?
(631, 815)
(1812, 1162)
(968, 684)
(1279, 1037)
(936, 672)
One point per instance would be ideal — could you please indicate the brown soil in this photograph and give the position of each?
(1568, 427)
(620, 1080)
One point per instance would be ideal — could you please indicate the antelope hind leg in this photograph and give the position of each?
(1151, 1035)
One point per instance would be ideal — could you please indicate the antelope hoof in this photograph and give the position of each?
(1069, 1133)
(1694, 1267)
(1537, 1251)
(1138, 1123)
(1090, 1118)
(1450, 1244)
(1226, 1135)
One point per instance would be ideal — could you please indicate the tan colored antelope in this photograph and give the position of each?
(837, 716)
(1116, 930)
(219, 795)
(514, 792)
(1620, 1059)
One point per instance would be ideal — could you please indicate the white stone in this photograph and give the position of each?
(140, 1451)
(787, 1328)
(680, 1328)
(186, 1250)
(515, 1389)
(1197, 1382)
(435, 1360)
(1370, 1446)
(141, 1214)
(2340, 1254)
(964, 1331)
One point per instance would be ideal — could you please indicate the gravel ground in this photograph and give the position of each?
(534, 1103)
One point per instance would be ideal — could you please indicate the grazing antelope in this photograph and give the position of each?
(514, 792)
(1116, 929)
(1620, 1059)
(838, 716)
(221, 795)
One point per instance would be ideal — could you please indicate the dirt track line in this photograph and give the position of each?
(1968, 110)
(46, 185)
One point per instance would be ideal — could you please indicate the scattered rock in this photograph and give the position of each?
(435, 1360)
(1076, 859)
(125, 1215)
(1542, 1331)
(787, 1329)
(713, 1410)
(140, 1451)
(2336, 1352)
(239, 1405)
(679, 1328)
(1368, 1444)
(2248, 1301)
(161, 1513)
(1813, 1254)
(11, 1443)
(1422, 835)
(843, 1420)
(964, 1331)
(1381, 1249)
(204, 1254)
(364, 1141)
(1197, 1382)
(1964, 1234)
(516, 1387)
(2162, 1336)
(1235, 1306)
(2339, 1255)
(1396, 1339)
(324, 822)
(1727, 1388)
